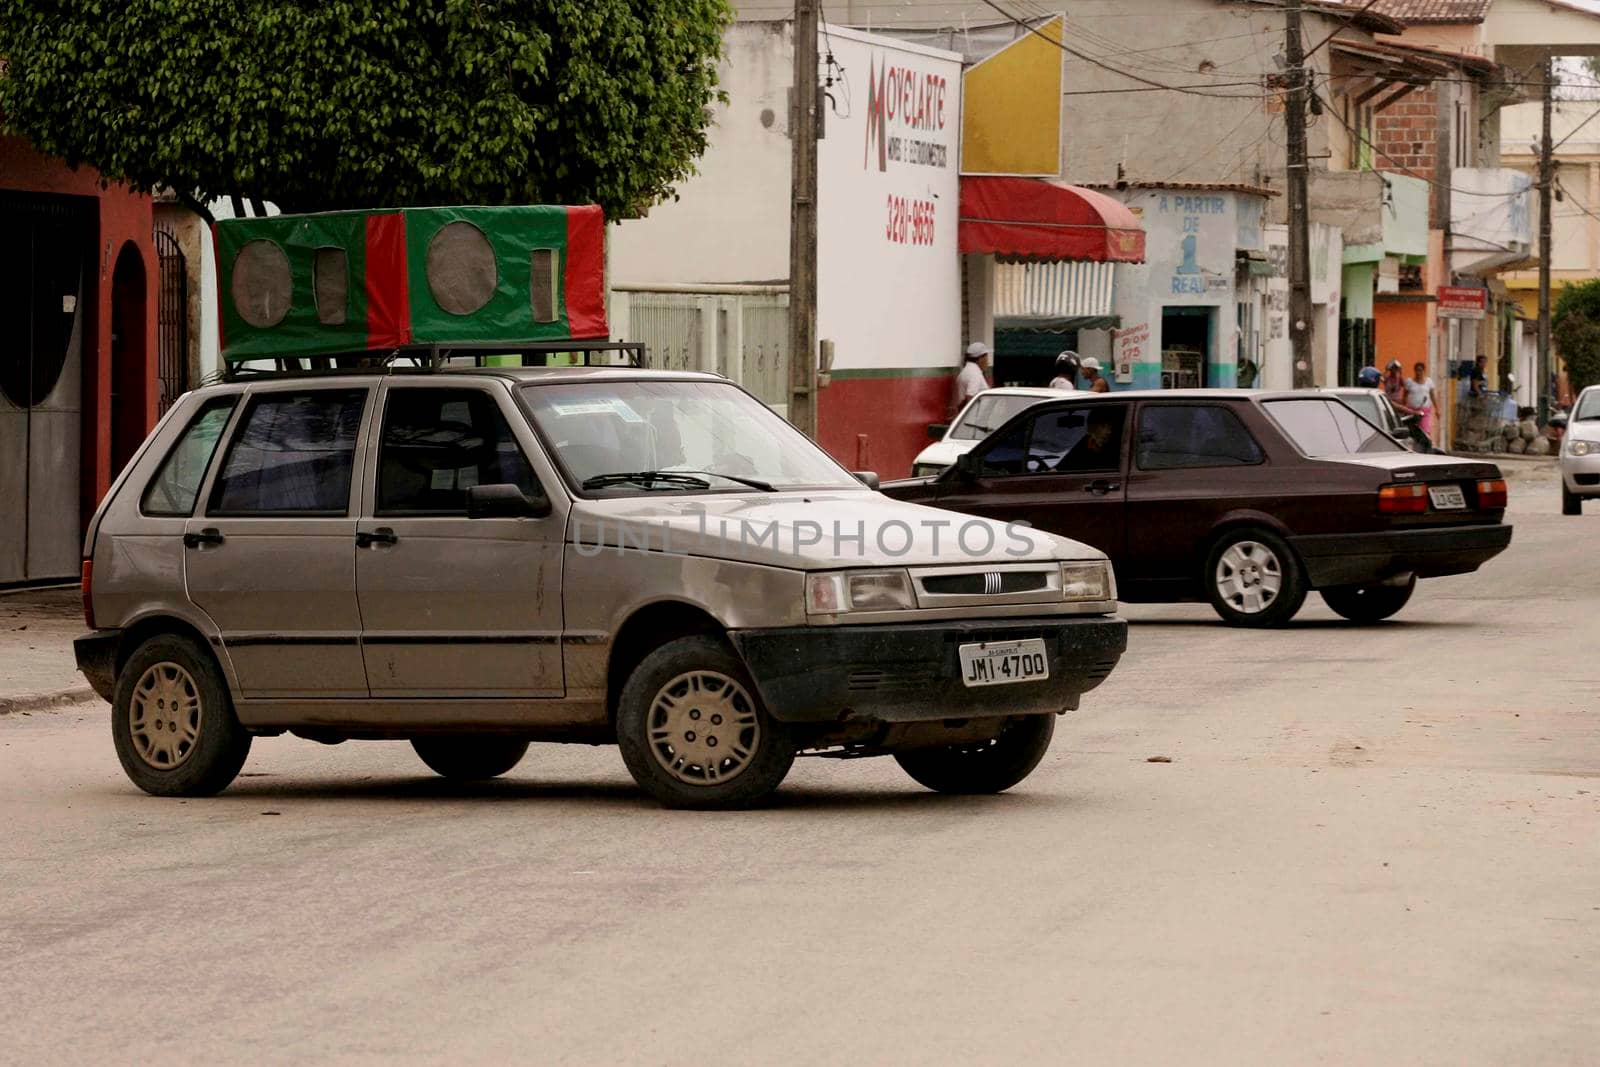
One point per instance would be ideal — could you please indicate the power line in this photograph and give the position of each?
(1087, 58)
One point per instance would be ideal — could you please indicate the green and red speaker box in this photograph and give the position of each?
(357, 281)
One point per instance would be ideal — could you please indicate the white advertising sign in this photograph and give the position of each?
(888, 204)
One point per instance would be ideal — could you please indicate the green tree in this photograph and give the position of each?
(1576, 322)
(321, 104)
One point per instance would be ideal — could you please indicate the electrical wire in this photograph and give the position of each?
(1087, 58)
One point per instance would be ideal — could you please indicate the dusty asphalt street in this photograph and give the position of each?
(1371, 846)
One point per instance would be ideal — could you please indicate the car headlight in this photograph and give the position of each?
(844, 591)
(1083, 582)
(927, 470)
(1580, 448)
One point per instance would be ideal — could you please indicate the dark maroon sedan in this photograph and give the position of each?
(1245, 499)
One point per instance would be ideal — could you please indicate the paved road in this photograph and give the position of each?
(1375, 846)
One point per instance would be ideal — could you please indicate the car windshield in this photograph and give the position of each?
(987, 413)
(1328, 428)
(624, 438)
(1588, 406)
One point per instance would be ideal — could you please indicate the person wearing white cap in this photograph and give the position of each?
(971, 381)
(1066, 378)
(1091, 371)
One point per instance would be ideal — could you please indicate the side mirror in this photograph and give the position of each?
(937, 430)
(867, 478)
(1401, 435)
(1558, 421)
(506, 502)
(968, 465)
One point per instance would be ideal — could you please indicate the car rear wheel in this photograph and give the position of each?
(1369, 603)
(991, 766)
(1253, 579)
(469, 759)
(1571, 503)
(693, 730)
(173, 722)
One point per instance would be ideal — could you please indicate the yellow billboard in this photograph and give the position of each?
(1011, 107)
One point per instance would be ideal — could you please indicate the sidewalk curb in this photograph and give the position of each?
(29, 702)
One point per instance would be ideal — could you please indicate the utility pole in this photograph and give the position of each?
(803, 224)
(1299, 197)
(1547, 188)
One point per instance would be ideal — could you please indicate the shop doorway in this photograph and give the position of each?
(45, 248)
(1028, 357)
(128, 357)
(1186, 346)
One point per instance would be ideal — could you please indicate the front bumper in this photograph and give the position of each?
(912, 672)
(1581, 474)
(97, 660)
(1364, 558)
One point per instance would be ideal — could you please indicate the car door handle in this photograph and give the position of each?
(381, 536)
(209, 536)
(1100, 487)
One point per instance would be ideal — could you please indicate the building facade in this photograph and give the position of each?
(78, 373)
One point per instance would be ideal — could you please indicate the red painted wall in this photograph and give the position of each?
(880, 424)
(124, 218)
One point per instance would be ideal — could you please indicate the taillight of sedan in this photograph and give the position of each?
(1492, 494)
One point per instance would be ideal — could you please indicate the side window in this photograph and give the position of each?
(1173, 436)
(294, 455)
(437, 444)
(173, 490)
(1078, 440)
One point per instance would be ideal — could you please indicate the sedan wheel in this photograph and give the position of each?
(991, 766)
(1571, 503)
(693, 730)
(470, 759)
(173, 721)
(1253, 579)
(1369, 603)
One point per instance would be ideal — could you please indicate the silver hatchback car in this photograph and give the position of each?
(474, 559)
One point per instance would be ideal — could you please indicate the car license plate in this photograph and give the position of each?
(1004, 662)
(1447, 497)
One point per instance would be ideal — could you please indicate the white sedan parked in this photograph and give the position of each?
(1580, 453)
(984, 414)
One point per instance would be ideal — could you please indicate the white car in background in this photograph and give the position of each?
(1580, 453)
(984, 414)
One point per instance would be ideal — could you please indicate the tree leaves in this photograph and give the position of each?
(371, 103)
(1576, 321)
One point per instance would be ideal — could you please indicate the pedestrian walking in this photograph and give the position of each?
(1091, 373)
(972, 380)
(1421, 398)
(1066, 378)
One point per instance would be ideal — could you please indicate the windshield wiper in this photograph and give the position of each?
(648, 479)
(754, 483)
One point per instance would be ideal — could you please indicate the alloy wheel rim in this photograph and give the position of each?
(703, 728)
(1249, 577)
(164, 716)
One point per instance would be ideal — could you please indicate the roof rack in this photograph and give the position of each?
(429, 358)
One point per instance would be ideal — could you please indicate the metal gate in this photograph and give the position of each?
(172, 320)
(740, 331)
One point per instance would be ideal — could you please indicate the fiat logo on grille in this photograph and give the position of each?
(991, 583)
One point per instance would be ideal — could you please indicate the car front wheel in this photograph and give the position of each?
(1253, 579)
(1369, 603)
(693, 730)
(991, 766)
(469, 759)
(1571, 503)
(173, 722)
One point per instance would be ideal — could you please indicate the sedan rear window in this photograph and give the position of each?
(1322, 427)
(987, 413)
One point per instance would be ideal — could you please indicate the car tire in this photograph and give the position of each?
(694, 732)
(469, 759)
(1571, 503)
(1253, 578)
(173, 722)
(986, 767)
(1368, 603)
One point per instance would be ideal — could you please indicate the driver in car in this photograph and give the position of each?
(1100, 447)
